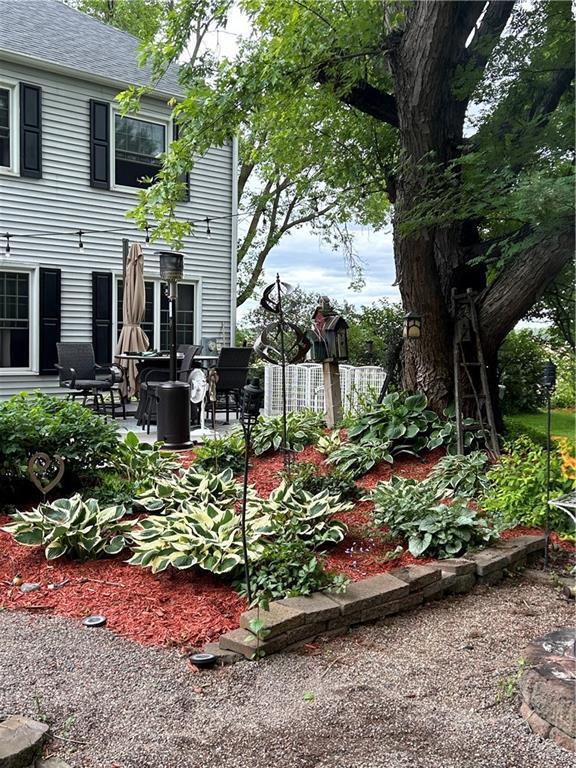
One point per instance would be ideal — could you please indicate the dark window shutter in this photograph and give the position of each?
(30, 131)
(185, 176)
(102, 317)
(50, 318)
(99, 144)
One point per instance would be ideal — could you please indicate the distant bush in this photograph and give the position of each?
(521, 362)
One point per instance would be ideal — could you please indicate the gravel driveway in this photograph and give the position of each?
(416, 690)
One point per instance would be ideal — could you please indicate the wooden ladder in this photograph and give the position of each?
(469, 360)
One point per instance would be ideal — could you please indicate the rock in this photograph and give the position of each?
(21, 741)
(538, 726)
(369, 593)
(417, 576)
(29, 587)
(52, 762)
(562, 739)
(277, 619)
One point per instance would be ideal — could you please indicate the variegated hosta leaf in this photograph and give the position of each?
(202, 534)
(74, 527)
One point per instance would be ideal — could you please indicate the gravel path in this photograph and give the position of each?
(416, 690)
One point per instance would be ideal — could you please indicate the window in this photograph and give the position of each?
(138, 146)
(5, 116)
(14, 320)
(184, 316)
(148, 322)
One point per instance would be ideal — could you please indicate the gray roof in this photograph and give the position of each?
(49, 31)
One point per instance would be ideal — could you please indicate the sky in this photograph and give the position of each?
(301, 258)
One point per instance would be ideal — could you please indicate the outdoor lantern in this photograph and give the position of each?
(252, 401)
(171, 266)
(412, 325)
(336, 335)
(549, 376)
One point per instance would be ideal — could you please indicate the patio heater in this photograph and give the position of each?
(173, 396)
(252, 402)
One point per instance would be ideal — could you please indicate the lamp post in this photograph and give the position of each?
(173, 396)
(252, 402)
(549, 383)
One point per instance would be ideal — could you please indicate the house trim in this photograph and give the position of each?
(234, 244)
(13, 88)
(7, 265)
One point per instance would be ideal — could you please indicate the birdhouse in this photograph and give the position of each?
(336, 337)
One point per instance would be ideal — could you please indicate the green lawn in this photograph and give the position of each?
(563, 422)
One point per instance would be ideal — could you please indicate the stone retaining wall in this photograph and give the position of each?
(301, 619)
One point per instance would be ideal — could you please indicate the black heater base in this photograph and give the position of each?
(174, 415)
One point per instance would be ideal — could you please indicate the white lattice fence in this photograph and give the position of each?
(305, 386)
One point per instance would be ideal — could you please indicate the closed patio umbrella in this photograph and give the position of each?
(132, 337)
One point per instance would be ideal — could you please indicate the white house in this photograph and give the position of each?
(70, 163)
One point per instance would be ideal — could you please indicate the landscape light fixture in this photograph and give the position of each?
(173, 420)
(412, 325)
(549, 383)
(251, 405)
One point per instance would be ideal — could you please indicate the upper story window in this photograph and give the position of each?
(5, 116)
(138, 145)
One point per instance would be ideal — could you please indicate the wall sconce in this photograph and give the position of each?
(412, 325)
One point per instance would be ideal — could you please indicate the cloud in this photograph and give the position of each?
(303, 259)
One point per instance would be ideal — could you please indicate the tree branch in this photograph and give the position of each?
(519, 286)
(487, 35)
(363, 97)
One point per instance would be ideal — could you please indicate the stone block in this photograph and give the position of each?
(490, 560)
(21, 741)
(417, 576)
(278, 619)
(305, 632)
(433, 591)
(224, 658)
(410, 601)
(553, 701)
(458, 565)
(246, 644)
(314, 608)
(462, 584)
(516, 552)
(490, 579)
(530, 544)
(448, 580)
(539, 726)
(380, 611)
(371, 592)
(562, 739)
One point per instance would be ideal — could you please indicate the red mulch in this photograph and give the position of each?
(192, 607)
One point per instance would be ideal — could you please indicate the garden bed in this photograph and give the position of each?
(189, 608)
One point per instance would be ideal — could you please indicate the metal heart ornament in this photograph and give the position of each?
(45, 471)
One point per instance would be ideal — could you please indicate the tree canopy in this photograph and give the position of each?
(458, 114)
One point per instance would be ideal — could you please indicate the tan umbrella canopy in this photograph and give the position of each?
(132, 337)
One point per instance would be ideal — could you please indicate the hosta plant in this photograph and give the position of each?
(73, 527)
(295, 513)
(460, 475)
(400, 421)
(138, 462)
(329, 442)
(305, 474)
(203, 535)
(289, 568)
(302, 428)
(221, 453)
(192, 485)
(444, 433)
(410, 509)
(357, 459)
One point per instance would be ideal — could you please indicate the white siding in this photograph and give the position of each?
(64, 200)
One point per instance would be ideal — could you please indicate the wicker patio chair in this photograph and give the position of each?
(232, 367)
(83, 377)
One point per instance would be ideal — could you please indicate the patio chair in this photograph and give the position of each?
(150, 380)
(232, 367)
(83, 377)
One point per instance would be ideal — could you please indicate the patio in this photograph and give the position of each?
(130, 424)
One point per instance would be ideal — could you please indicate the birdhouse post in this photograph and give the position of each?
(329, 346)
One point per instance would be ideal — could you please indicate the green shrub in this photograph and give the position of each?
(201, 534)
(72, 527)
(297, 514)
(288, 568)
(221, 453)
(565, 393)
(302, 428)
(517, 487)
(52, 425)
(521, 362)
(460, 475)
(305, 474)
(111, 489)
